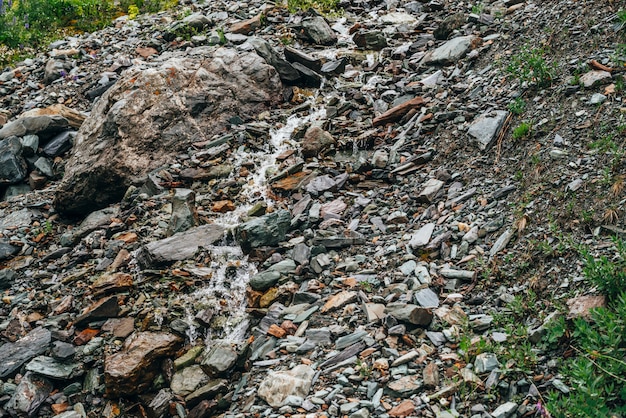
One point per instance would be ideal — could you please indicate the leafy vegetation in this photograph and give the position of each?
(517, 106)
(33, 23)
(523, 130)
(530, 66)
(325, 6)
(596, 371)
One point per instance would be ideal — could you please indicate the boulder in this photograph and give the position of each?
(153, 113)
(131, 370)
(12, 166)
(263, 231)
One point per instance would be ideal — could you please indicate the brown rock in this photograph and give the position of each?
(74, 117)
(132, 370)
(276, 331)
(103, 309)
(580, 307)
(146, 52)
(338, 300)
(86, 335)
(247, 26)
(115, 282)
(404, 409)
(152, 114)
(289, 183)
(223, 206)
(119, 327)
(396, 113)
(431, 375)
(316, 141)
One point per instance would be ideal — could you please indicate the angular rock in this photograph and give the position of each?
(131, 370)
(187, 380)
(264, 280)
(55, 369)
(591, 78)
(42, 126)
(29, 395)
(412, 314)
(315, 141)
(422, 236)
(287, 73)
(486, 127)
(12, 166)
(397, 112)
(486, 362)
(316, 30)
(266, 230)
(580, 307)
(103, 309)
(184, 215)
(278, 386)
(293, 55)
(505, 410)
(374, 40)
(14, 355)
(179, 246)
(431, 188)
(59, 144)
(426, 298)
(451, 51)
(219, 359)
(152, 114)
(7, 251)
(245, 27)
(404, 387)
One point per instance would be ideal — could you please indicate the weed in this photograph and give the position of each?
(530, 66)
(523, 130)
(597, 373)
(325, 6)
(608, 275)
(517, 106)
(364, 369)
(478, 8)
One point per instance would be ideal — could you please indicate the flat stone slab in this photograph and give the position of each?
(50, 367)
(15, 354)
(422, 236)
(181, 246)
(486, 128)
(451, 51)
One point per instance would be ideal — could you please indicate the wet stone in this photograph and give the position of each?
(29, 395)
(131, 370)
(50, 367)
(14, 355)
(184, 214)
(219, 359)
(264, 280)
(266, 230)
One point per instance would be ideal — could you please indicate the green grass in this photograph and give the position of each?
(522, 131)
(325, 6)
(34, 23)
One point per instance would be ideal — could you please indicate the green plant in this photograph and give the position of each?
(478, 8)
(133, 11)
(517, 106)
(326, 6)
(597, 373)
(523, 130)
(364, 369)
(609, 275)
(530, 66)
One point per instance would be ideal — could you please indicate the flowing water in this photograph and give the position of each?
(229, 272)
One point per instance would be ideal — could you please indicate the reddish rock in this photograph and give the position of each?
(247, 26)
(290, 183)
(431, 375)
(103, 309)
(223, 206)
(119, 327)
(580, 307)
(146, 52)
(131, 371)
(276, 331)
(406, 408)
(316, 141)
(396, 113)
(84, 336)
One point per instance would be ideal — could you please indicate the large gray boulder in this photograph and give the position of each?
(152, 114)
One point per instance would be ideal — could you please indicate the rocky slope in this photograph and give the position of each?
(232, 210)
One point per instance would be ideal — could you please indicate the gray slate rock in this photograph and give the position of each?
(375, 40)
(32, 391)
(266, 230)
(59, 144)
(7, 251)
(219, 359)
(41, 125)
(12, 166)
(264, 280)
(450, 52)
(14, 355)
(50, 367)
(316, 30)
(179, 246)
(485, 129)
